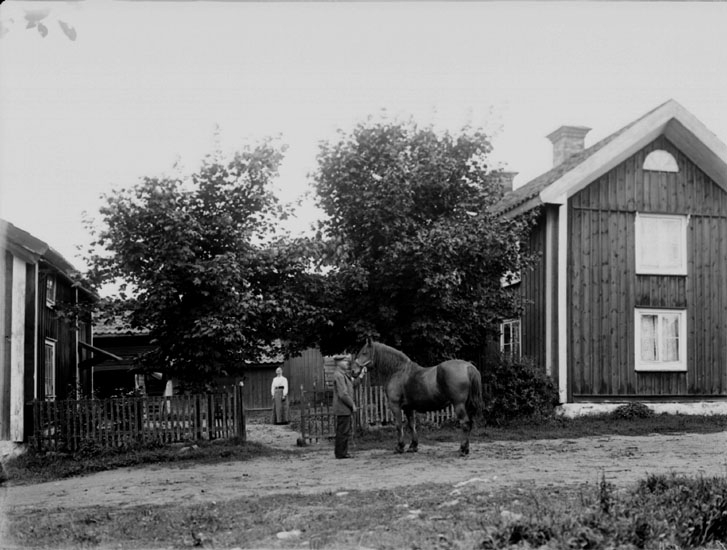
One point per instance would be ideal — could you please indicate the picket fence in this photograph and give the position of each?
(70, 425)
(317, 421)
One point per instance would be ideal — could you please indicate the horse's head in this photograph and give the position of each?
(364, 358)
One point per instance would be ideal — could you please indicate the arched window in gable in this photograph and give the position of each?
(660, 161)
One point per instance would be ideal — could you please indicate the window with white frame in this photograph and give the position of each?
(50, 289)
(661, 244)
(510, 339)
(661, 343)
(50, 370)
(660, 161)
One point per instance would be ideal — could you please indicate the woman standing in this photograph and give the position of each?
(279, 391)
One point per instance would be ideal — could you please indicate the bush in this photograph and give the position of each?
(631, 411)
(666, 511)
(518, 389)
(697, 507)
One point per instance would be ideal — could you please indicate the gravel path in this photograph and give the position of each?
(313, 469)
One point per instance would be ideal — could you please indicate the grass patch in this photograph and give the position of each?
(34, 467)
(664, 512)
(607, 424)
(556, 428)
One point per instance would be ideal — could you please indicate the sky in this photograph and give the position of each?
(146, 84)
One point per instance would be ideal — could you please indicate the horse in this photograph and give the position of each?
(412, 388)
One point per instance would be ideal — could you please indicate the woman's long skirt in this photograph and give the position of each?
(280, 408)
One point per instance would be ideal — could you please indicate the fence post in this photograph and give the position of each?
(239, 405)
(303, 419)
(198, 415)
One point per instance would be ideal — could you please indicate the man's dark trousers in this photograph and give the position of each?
(343, 434)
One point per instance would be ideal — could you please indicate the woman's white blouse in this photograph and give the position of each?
(279, 381)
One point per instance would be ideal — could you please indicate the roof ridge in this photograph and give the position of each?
(532, 188)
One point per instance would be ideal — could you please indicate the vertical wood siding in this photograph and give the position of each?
(305, 370)
(533, 298)
(6, 300)
(30, 332)
(60, 330)
(605, 289)
(256, 392)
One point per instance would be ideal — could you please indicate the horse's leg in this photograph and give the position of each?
(396, 411)
(411, 420)
(465, 423)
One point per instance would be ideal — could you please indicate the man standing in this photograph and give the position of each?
(343, 404)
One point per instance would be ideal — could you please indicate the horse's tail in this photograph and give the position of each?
(474, 403)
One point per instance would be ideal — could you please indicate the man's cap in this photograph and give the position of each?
(340, 358)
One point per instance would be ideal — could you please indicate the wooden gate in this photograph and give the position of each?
(111, 423)
(317, 421)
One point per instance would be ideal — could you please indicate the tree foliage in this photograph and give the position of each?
(201, 266)
(417, 253)
(36, 18)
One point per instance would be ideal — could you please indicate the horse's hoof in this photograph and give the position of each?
(412, 449)
(399, 449)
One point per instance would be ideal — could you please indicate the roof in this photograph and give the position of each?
(105, 325)
(33, 250)
(577, 171)
(115, 325)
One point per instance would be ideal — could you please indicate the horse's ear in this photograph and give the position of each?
(369, 341)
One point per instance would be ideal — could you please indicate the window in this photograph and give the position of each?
(661, 244)
(660, 161)
(510, 338)
(50, 370)
(50, 290)
(661, 340)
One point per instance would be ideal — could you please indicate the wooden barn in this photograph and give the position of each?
(119, 373)
(629, 299)
(120, 376)
(45, 353)
(123, 376)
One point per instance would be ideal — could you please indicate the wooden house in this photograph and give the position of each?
(629, 299)
(46, 350)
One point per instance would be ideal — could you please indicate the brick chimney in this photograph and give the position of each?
(504, 179)
(567, 141)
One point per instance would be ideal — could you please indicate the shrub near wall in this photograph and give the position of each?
(516, 388)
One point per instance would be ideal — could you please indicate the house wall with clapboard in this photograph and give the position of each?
(629, 300)
(27, 324)
(604, 288)
(533, 297)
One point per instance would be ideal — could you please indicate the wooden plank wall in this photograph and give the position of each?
(533, 297)
(605, 289)
(30, 332)
(6, 300)
(256, 391)
(304, 370)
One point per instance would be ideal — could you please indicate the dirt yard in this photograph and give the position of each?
(313, 469)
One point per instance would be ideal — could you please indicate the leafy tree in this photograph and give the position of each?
(200, 265)
(417, 254)
(36, 18)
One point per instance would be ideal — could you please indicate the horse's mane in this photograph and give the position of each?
(388, 360)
